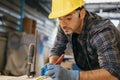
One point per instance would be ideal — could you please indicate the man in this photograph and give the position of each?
(94, 40)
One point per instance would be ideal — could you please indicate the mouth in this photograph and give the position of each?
(67, 30)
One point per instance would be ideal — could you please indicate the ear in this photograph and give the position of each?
(82, 13)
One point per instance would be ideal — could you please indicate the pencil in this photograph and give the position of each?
(59, 59)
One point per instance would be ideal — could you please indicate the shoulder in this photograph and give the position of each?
(101, 25)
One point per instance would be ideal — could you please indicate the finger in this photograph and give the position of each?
(42, 73)
(52, 75)
(50, 67)
(49, 73)
(55, 78)
(49, 64)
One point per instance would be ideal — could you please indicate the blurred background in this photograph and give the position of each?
(23, 22)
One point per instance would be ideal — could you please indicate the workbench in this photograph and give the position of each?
(19, 78)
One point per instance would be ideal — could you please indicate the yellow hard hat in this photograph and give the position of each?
(64, 7)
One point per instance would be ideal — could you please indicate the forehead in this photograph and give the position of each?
(70, 14)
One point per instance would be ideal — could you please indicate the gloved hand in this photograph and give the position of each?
(57, 72)
(44, 69)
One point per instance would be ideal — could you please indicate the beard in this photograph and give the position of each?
(67, 30)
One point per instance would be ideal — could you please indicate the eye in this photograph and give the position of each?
(69, 18)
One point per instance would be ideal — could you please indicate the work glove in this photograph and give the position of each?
(44, 69)
(57, 72)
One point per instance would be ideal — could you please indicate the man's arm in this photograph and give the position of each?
(100, 74)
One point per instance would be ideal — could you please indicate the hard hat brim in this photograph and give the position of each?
(57, 15)
(60, 13)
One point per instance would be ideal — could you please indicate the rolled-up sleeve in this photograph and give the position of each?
(60, 43)
(106, 45)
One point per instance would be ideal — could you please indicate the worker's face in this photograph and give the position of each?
(70, 23)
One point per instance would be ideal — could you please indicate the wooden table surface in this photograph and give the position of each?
(19, 78)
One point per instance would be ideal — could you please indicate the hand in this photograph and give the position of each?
(44, 69)
(59, 73)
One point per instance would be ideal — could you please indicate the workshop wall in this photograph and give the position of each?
(18, 16)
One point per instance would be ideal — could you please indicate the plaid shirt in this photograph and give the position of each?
(97, 46)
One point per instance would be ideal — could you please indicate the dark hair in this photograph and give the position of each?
(79, 8)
